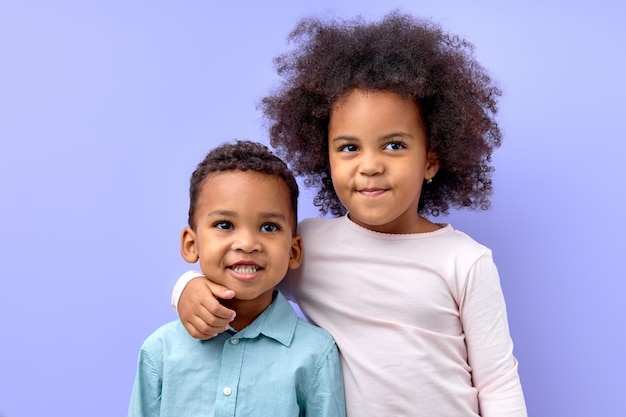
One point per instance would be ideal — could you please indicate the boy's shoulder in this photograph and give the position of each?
(312, 341)
(304, 333)
(165, 330)
(168, 334)
(313, 331)
(173, 327)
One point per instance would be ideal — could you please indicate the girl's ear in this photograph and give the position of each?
(188, 248)
(295, 254)
(432, 165)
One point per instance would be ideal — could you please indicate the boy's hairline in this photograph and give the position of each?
(292, 222)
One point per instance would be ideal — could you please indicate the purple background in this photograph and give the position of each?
(107, 106)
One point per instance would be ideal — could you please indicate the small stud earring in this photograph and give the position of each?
(429, 180)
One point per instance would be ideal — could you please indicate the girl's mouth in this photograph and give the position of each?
(371, 192)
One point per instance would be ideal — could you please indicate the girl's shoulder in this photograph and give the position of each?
(312, 224)
(446, 237)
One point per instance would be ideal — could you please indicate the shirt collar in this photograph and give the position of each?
(277, 321)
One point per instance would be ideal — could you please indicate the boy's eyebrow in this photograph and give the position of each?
(221, 213)
(270, 216)
(230, 213)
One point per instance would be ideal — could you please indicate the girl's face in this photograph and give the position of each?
(378, 156)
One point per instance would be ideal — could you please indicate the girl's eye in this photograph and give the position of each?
(348, 148)
(270, 227)
(394, 146)
(223, 225)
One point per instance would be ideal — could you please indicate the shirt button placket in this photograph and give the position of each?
(228, 380)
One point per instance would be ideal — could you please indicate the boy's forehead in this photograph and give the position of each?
(244, 178)
(247, 191)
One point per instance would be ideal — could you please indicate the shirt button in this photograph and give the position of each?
(227, 391)
(234, 341)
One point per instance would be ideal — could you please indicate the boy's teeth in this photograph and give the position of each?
(245, 269)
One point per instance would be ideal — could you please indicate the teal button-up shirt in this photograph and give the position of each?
(279, 365)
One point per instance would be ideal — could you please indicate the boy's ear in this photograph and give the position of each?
(295, 255)
(188, 248)
(432, 164)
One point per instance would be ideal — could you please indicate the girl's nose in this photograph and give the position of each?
(370, 164)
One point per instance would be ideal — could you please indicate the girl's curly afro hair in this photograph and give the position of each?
(403, 54)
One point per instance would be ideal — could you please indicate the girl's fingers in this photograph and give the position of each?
(200, 311)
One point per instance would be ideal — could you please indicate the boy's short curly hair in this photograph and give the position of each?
(242, 155)
(412, 57)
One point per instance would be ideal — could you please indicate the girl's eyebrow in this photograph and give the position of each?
(385, 137)
(343, 138)
(397, 135)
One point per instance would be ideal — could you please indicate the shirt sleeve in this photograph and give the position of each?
(145, 399)
(489, 344)
(180, 285)
(325, 395)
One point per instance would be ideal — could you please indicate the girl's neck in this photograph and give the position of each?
(419, 225)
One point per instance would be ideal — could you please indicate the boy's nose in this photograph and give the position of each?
(246, 242)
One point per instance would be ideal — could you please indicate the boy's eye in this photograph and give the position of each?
(270, 227)
(223, 225)
(394, 146)
(348, 148)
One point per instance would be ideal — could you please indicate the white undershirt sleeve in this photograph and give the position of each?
(180, 285)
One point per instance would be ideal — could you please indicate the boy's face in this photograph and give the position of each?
(243, 237)
(378, 156)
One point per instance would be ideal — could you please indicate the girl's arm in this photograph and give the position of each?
(489, 344)
(195, 299)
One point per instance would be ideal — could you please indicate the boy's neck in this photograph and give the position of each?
(247, 310)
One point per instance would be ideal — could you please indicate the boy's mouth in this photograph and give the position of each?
(245, 268)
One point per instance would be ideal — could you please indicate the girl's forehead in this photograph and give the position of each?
(374, 110)
(368, 92)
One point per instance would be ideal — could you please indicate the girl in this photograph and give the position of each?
(391, 121)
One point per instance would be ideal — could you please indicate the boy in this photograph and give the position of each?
(242, 230)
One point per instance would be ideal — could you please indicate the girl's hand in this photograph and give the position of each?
(200, 311)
